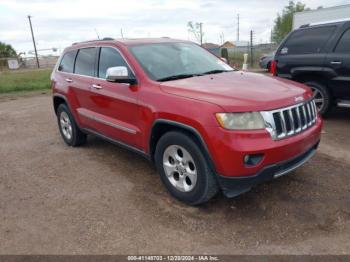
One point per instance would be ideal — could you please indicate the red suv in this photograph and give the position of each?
(205, 125)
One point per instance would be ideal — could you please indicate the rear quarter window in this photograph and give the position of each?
(307, 41)
(85, 62)
(67, 62)
(343, 45)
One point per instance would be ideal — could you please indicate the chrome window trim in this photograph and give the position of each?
(94, 46)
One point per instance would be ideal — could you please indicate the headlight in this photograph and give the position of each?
(241, 121)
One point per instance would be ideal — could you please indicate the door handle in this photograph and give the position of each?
(69, 80)
(96, 86)
(336, 62)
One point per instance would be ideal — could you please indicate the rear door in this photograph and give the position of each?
(339, 61)
(304, 50)
(114, 106)
(84, 71)
(64, 78)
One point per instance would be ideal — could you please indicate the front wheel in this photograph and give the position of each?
(184, 170)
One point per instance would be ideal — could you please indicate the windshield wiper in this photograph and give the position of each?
(175, 77)
(216, 71)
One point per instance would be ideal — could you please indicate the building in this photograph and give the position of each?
(228, 44)
(321, 15)
(213, 48)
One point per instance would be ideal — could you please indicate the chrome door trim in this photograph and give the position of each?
(97, 119)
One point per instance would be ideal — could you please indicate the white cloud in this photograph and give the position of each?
(59, 23)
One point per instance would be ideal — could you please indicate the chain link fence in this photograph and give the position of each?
(235, 55)
(13, 63)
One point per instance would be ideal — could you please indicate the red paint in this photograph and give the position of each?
(194, 102)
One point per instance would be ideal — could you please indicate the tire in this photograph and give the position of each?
(69, 130)
(182, 183)
(321, 93)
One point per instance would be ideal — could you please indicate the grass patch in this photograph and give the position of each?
(25, 80)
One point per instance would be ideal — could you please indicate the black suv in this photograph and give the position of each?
(319, 56)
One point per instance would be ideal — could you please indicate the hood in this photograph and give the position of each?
(240, 91)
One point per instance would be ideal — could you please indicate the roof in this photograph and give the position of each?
(210, 46)
(134, 41)
(228, 44)
(321, 16)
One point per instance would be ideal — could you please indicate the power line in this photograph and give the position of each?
(36, 52)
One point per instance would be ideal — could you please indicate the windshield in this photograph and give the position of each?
(169, 61)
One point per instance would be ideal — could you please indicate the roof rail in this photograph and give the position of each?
(331, 21)
(94, 40)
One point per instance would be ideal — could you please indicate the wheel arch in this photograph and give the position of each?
(162, 126)
(317, 76)
(59, 99)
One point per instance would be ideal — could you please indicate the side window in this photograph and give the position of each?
(307, 41)
(344, 43)
(85, 62)
(67, 62)
(109, 57)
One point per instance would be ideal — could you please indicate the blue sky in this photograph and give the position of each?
(58, 23)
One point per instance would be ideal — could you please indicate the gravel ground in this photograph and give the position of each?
(101, 199)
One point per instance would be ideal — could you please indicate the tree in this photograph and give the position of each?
(284, 22)
(197, 30)
(7, 50)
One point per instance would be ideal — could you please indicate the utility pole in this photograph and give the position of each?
(121, 32)
(201, 32)
(36, 53)
(251, 48)
(237, 27)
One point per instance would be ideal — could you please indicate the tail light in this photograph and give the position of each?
(273, 68)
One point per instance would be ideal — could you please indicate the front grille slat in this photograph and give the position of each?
(299, 119)
(291, 120)
(304, 116)
(310, 114)
(283, 124)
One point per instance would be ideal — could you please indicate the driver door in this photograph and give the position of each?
(115, 105)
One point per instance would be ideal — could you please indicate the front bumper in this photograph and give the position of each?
(234, 186)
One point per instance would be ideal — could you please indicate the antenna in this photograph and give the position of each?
(98, 37)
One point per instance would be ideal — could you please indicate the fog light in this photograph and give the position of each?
(253, 160)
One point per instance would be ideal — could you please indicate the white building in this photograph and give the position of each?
(321, 15)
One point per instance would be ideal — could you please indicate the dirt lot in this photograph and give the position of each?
(100, 199)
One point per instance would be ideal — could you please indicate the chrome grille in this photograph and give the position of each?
(286, 122)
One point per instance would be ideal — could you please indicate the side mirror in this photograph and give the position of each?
(224, 59)
(119, 74)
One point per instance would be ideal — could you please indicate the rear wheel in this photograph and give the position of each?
(321, 96)
(69, 130)
(184, 170)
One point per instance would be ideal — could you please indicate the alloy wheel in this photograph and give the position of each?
(318, 98)
(66, 125)
(180, 168)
